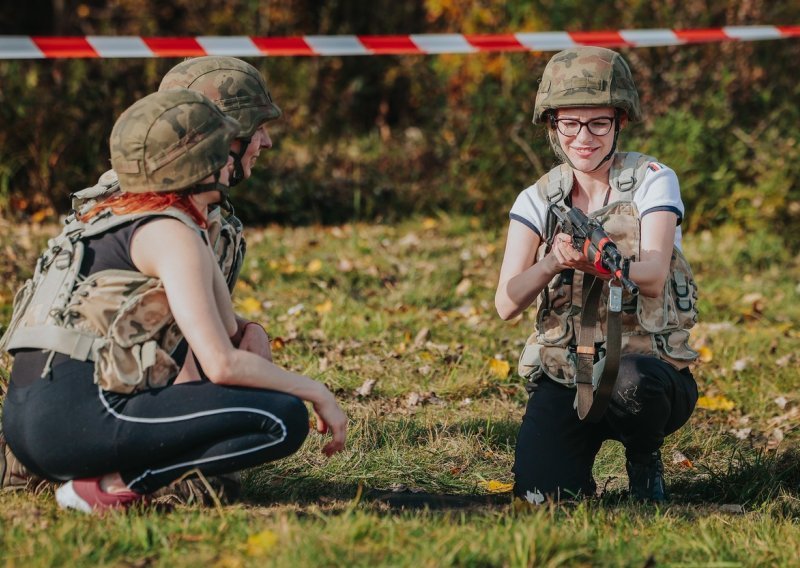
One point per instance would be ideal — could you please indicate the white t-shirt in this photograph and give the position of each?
(659, 191)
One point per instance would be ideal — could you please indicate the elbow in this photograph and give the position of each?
(652, 289)
(505, 311)
(219, 368)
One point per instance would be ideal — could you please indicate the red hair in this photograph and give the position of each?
(124, 203)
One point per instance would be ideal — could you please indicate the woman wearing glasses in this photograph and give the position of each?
(586, 98)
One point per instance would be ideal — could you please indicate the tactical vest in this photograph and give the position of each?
(119, 319)
(225, 230)
(654, 326)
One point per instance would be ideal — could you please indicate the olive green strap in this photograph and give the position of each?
(592, 403)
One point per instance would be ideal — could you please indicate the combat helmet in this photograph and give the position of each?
(236, 87)
(170, 141)
(586, 76)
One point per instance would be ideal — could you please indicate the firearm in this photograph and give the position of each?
(589, 237)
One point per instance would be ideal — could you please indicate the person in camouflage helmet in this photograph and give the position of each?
(240, 91)
(96, 400)
(586, 97)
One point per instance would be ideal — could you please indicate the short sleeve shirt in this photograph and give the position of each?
(659, 191)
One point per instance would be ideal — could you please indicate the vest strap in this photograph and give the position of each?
(591, 403)
(76, 344)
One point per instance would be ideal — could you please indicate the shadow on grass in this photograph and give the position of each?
(749, 479)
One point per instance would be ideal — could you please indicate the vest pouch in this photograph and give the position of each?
(141, 318)
(21, 301)
(530, 361)
(127, 370)
(675, 348)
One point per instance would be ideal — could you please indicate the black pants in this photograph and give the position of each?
(64, 427)
(556, 450)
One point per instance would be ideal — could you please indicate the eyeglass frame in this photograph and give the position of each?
(554, 122)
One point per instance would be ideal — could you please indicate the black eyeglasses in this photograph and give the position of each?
(599, 126)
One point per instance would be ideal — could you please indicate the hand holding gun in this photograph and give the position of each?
(589, 237)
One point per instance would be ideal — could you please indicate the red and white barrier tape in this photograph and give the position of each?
(36, 47)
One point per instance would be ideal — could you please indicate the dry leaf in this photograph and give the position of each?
(314, 266)
(250, 306)
(463, 287)
(366, 387)
(429, 223)
(785, 360)
(741, 433)
(413, 399)
(344, 265)
(715, 403)
(781, 402)
(706, 355)
(261, 543)
(296, 309)
(679, 459)
(494, 486)
(324, 307)
(499, 368)
(741, 364)
(277, 343)
(421, 337)
(732, 508)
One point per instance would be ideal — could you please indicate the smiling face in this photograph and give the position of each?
(260, 140)
(585, 149)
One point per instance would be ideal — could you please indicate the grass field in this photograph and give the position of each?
(400, 322)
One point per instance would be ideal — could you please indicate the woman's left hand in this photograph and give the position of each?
(255, 340)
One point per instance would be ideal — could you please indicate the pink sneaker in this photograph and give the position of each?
(85, 495)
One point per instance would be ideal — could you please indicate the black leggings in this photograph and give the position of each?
(64, 427)
(556, 450)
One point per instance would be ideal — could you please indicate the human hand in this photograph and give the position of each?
(330, 418)
(566, 256)
(255, 340)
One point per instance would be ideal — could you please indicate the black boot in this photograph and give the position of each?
(646, 476)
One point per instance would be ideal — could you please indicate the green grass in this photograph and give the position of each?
(411, 306)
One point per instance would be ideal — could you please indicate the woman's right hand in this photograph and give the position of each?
(330, 418)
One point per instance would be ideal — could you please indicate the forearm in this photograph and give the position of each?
(245, 369)
(649, 276)
(517, 293)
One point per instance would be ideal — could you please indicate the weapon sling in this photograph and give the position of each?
(592, 405)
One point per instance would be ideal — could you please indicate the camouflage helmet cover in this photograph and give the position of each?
(235, 86)
(587, 76)
(170, 140)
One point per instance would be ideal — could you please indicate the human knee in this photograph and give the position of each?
(294, 416)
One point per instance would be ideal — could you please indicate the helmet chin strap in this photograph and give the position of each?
(224, 190)
(238, 168)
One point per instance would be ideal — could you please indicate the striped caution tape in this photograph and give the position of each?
(37, 47)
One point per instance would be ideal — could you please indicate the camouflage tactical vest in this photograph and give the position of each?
(225, 230)
(119, 319)
(655, 326)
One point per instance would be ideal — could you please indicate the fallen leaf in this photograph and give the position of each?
(250, 306)
(741, 364)
(463, 287)
(421, 337)
(277, 343)
(296, 309)
(499, 368)
(781, 402)
(706, 355)
(413, 399)
(785, 360)
(429, 223)
(715, 403)
(314, 266)
(679, 459)
(741, 433)
(494, 486)
(261, 543)
(366, 387)
(324, 307)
